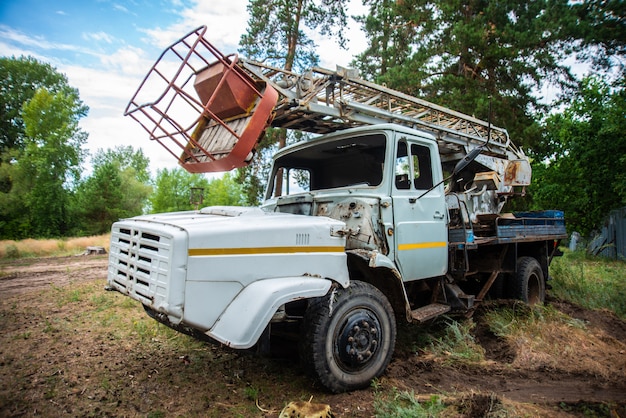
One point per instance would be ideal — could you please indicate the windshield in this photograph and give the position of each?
(340, 163)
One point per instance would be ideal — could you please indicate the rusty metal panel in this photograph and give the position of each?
(517, 173)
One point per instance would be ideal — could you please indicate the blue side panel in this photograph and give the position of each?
(546, 223)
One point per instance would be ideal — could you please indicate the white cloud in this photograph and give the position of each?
(119, 7)
(226, 21)
(129, 61)
(99, 37)
(110, 130)
(15, 37)
(107, 91)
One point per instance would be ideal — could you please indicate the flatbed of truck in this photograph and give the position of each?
(520, 227)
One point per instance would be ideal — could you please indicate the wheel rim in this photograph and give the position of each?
(534, 289)
(357, 341)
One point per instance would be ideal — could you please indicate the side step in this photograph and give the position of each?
(427, 312)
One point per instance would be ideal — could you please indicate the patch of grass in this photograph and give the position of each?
(146, 329)
(11, 251)
(483, 405)
(251, 393)
(28, 248)
(591, 282)
(101, 302)
(544, 338)
(407, 404)
(49, 328)
(68, 294)
(457, 344)
(588, 409)
(128, 303)
(24, 335)
(105, 384)
(413, 338)
(403, 404)
(87, 358)
(523, 319)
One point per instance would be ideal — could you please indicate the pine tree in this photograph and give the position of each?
(277, 35)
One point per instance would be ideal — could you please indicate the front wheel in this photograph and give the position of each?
(348, 337)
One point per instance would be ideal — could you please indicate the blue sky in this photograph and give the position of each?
(105, 47)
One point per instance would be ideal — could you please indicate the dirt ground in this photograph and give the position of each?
(543, 389)
(29, 275)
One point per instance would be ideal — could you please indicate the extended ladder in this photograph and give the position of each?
(209, 110)
(322, 101)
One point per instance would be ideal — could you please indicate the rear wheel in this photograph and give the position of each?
(349, 337)
(529, 284)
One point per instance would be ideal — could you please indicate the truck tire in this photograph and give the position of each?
(348, 337)
(529, 284)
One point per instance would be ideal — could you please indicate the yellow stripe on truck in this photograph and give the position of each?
(422, 245)
(199, 252)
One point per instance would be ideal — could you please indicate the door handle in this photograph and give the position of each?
(438, 215)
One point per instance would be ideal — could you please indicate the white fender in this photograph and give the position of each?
(245, 318)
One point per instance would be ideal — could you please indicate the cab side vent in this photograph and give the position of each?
(302, 239)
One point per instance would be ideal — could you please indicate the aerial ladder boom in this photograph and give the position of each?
(214, 108)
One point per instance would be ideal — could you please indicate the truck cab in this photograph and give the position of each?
(384, 182)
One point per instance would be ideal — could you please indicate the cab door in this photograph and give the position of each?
(421, 237)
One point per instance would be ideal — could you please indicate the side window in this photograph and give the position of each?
(403, 168)
(422, 167)
(291, 181)
(413, 170)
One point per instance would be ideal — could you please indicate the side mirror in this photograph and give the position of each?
(471, 156)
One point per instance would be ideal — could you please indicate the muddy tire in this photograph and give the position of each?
(348, 337)
(529, 284)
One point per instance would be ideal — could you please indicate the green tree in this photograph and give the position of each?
(224, 191)
(118, 188)
(458, 53)
(98, 200)
(48, 168)
(600, 31)
(276, 36)
(390, 33)
(580, 167)
(173, 190)
(126, 157)
(40, 148)
(20, 78)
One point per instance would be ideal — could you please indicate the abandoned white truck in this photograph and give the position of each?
(393, 214)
